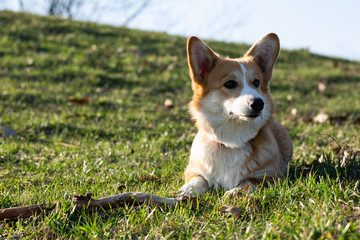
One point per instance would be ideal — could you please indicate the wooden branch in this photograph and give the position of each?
(88, 203)
(23, 211)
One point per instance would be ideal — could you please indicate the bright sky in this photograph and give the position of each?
(328, 27)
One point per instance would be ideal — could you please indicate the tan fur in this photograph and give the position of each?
(233, 148)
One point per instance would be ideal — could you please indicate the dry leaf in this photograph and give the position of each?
(321, 86)
(321, 117)
(79, 101)
(168, 103)
(231, 211)
(29, 61)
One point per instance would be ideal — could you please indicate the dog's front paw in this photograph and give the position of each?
(196, 186)
(189, 190)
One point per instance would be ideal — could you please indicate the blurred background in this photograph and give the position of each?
(326, 27)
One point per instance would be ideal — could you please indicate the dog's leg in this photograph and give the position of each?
(245, 187)
(196, 186)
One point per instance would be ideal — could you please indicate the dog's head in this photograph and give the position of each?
(232, 90)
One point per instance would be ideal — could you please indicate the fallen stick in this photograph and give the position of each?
(88, 203)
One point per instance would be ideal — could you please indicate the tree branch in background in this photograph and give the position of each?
(21, 4)
(63, 7)
(137, 12)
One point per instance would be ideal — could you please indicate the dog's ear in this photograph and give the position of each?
(201, 59)
(265, 52)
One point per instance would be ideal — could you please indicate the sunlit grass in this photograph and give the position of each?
(124, 136)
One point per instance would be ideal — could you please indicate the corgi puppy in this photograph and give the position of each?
(238, 143)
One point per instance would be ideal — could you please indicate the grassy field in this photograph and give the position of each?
(124, 139)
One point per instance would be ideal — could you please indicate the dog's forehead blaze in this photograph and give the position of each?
(254, 72)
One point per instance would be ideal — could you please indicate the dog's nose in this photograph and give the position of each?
(257, 105)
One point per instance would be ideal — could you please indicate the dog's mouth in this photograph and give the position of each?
(252, 116)
(245, 117)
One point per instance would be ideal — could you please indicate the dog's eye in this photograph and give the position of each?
(256, 83)
(230, 84)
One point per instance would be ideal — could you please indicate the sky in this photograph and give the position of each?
(325, 27)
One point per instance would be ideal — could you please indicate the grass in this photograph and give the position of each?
(124, 139)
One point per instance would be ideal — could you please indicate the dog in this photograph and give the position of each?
(238, 143)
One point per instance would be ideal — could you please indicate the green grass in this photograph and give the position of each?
(124, 136)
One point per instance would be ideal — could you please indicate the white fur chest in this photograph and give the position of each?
(222, 167)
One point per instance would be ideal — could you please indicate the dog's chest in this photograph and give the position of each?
(223, 167)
